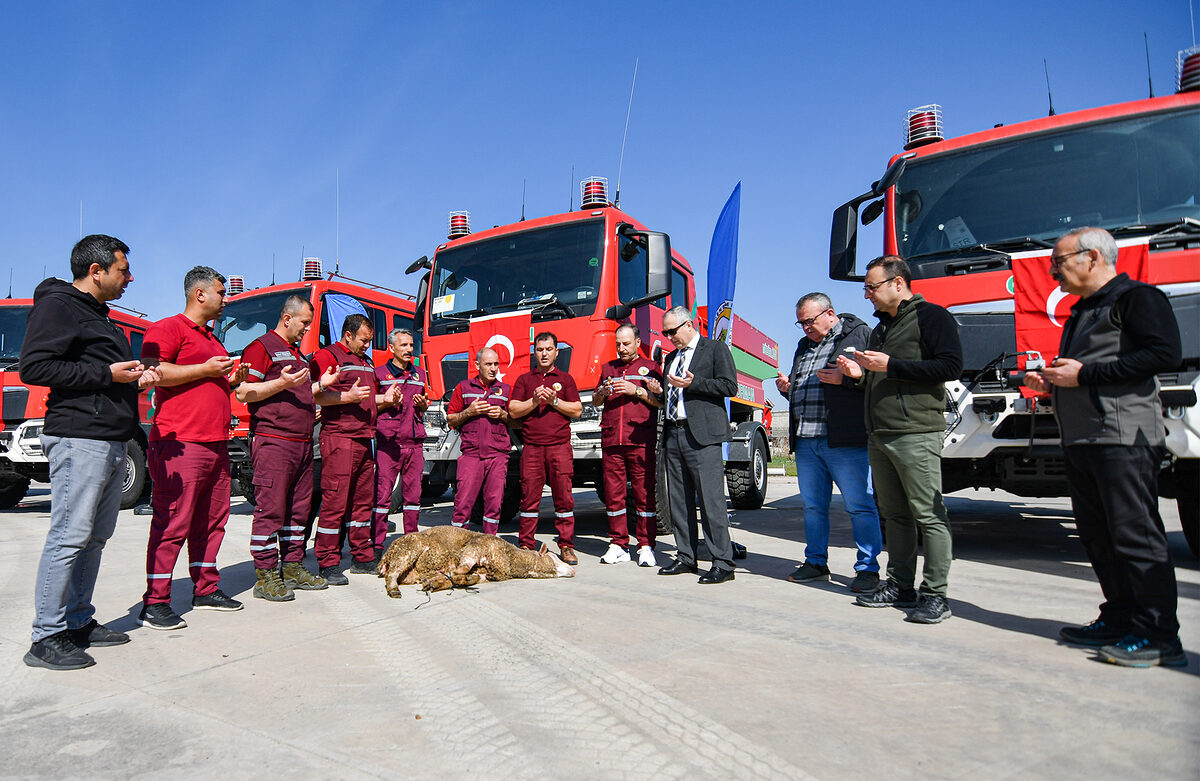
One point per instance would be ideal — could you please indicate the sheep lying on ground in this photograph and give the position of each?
(447, 556)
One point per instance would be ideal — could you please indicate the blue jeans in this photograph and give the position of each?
(818, 467)
(85, 495)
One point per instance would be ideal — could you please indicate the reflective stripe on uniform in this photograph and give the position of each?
(201, 564)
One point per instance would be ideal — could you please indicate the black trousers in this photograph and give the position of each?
(695, 470)
(1114, 493)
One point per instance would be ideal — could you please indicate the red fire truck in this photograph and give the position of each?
(24, 411)
(251, 313)
(976, 217)
(580, 275)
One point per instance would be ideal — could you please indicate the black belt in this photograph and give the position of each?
(675, 423)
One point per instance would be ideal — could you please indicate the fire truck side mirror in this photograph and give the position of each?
(891, 175)
(658, 262)
(843, 242)
(419, 314)
(419, 263)
(872, 212)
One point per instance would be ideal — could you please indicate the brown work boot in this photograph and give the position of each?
(270, 587)
(297, 577)
(568, 556)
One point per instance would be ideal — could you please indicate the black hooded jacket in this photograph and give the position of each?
(69, 346)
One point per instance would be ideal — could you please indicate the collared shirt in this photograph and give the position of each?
(545, 425)
(402, 421)
(290, 413)
(482, 436)
(347, 420)
(679, 367)
(628, 420)
(807, 398)
(197, 411)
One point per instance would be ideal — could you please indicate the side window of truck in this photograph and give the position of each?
(380, 324)
(679, 288)
(631, 275)
(135, 344)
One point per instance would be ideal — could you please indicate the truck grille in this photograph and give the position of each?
(16, 402)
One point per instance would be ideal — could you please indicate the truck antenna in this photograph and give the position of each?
(272, 268)
(337, 221)
(1049, 96)
(522, 199)
(628, 110)
(571, 190)
(1149, 75)
(80, 222)
(10, 281)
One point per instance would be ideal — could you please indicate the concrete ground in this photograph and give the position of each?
(615, 673)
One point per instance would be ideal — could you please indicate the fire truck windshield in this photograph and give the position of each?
(553, 271)
(12, 332)
(247, 318)
(1136, 171)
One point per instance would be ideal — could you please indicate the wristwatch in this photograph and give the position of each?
(555, 402)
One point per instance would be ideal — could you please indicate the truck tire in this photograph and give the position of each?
(747, 482)
(133, 481)
(245, 484)
(662, 508)
(12, 491)
(432, 490)
(1188, 501)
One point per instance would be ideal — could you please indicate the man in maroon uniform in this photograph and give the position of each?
(478, 408)
(546, 400)
(629, 390)
(279, 395)
(348, 410)
(188, 458)
(399, 435)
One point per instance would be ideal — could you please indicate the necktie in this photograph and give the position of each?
(675, 394)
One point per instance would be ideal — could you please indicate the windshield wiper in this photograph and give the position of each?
(545, 301)
(464, 315)
(1002, 247)
(1159, 229)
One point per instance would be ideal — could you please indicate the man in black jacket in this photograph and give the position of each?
(700, 375)
(1104, 385)
(826, 431)
(72, 347)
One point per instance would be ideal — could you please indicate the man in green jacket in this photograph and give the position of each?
(912, 353)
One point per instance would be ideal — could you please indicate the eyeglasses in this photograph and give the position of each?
(669, 332)
(872, 288)
(808, 322)
(1058, 260)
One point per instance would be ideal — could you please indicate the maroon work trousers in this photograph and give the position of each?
(190, 502)
(475, 474)
(283, 488)
(406, 461)
(632, 464)
(347, 493)
(542, 464)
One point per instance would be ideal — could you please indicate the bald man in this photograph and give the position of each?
(478, 408)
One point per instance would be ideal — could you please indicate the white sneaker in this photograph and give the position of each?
(646, 557)
(615, 555)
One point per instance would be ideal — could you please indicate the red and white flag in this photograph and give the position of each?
(510, 335)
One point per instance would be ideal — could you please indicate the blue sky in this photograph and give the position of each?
(211, 132)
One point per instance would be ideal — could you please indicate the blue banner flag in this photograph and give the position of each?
(722, 269)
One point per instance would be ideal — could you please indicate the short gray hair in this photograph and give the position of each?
(1089, 238)
(629, 327)
(200, 275)
(680, 313)
(820, 299)
(392, 334)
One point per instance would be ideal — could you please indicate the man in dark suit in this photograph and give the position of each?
(700, 376)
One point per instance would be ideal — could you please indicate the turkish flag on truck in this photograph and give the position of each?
(509, 334)
(1042, 308)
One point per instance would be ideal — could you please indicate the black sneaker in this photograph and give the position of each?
(333, 576)
(931, 609)
(1134, 651)
(57, 652)
(160, 616)
(890, 594)
(217, 600)
(1093, 635)
(865, 582)
(808, 572)
(96, 635)
(364, 568)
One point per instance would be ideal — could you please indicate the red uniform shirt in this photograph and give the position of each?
(347, 420)
(290, 413)
(545, 425)
(197, 411)
(482, 436)
(628, 420)
(402, 422)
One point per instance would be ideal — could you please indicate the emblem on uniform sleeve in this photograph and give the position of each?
(557, 386)
(643, 370)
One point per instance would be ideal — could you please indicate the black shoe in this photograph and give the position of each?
(931, 609)
(96, 635)
(739, 550)
(865, 582)
(333, 576)
(217, 600)
(391, 528)
(57, 652)
(808, 572)
(1134, 651)
(678, 567)
(1093, 635)
(160, 616)
(890, 594)
(364, 568)
(715, 575)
